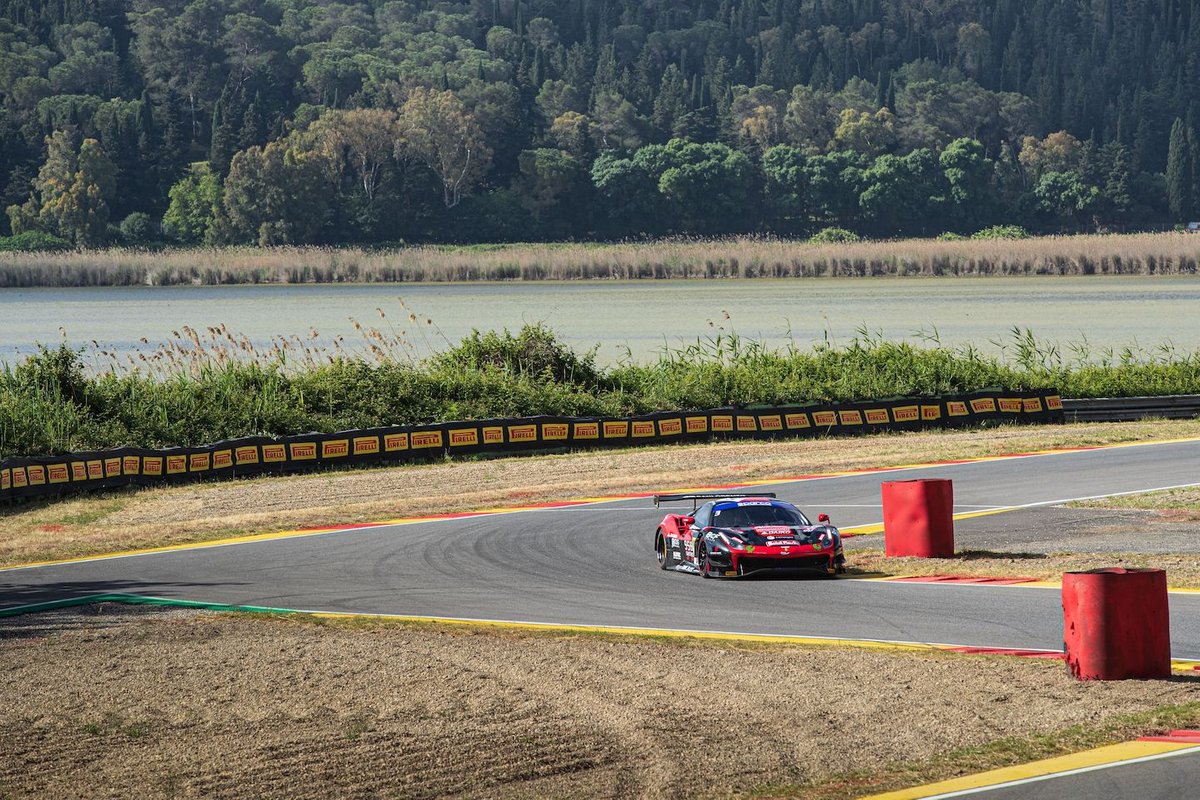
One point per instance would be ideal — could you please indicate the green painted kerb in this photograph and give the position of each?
(139, 600)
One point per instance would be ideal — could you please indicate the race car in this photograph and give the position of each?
(731, 536)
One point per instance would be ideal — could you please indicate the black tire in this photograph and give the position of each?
(705, 565)
(662, 552)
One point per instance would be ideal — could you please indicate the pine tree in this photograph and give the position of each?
(224, 137)
(1179, 172)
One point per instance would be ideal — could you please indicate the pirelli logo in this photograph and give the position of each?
(79, 471)
(522, 433)
(797, 420)
(19, 479)
(152, 465)
(464, 437)
(274, 453)
(131, 465)
(1010, 405)
(957, 408)
(112, 467)
(1032, 405)
(824, 419)
(37, 475)
(5, 479)
(222, 459)
(424, 440)
(586, 430)
(247, 454)
(555, 431)
(770, 422)
(906, 413)
(199, 462)
(877, 416)
(746, 424)
(641, 429)
(493, 435)
(670, 427)
(722, 424)
(175, 464)
(395, 441)
(983, 405)
(366, 445)
(335, 448)
(931, 413)
(95, 470)
(58, 473)
(1054, 403)
(696, 424)
(302, 451)
(851, 417)
(614, 429)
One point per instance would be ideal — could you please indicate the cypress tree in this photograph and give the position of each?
(1179, 172)
(223, 142)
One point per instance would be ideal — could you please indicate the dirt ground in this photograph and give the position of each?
(112, 701)
(126, 520)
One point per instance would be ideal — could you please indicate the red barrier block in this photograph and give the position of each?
(918, 518)
(1116, 624)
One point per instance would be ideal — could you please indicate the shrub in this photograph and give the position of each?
(137, 228)
(834, 236)
(31, 241)
(951, 236)
(1002, 232)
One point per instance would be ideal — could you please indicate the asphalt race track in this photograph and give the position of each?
(594, 565)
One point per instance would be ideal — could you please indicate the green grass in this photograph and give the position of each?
(205, 387)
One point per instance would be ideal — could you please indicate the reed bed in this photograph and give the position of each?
(1126, 254)
(204, 386)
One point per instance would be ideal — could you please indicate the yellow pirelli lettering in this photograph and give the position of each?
(616, 429)
(335, 448)
(222, 459)
(670, 427)
(697, 424)
(19, 478)
(464, 437)
(58, 473)
(79, 471)
(36, 475)
(176, 464)
(131, 465)
(199, 462)
(722, 423)
(1032, 405)
(274, 453)
(585, 430)
(983, 405)
(824, 419)
(851, 417)
(95, 470)
(746, 424)
(770, 422)
(1010, 405)
(522, 433)
(246, 454)
(1054, 403)
(797, 420)
(393, 442)
(493, 434)
(930, 413)
(112, 467)
(877, 416)
(366, 445)
(554, 431)
(425, 440)
(642, 428)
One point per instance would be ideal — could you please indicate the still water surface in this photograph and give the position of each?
(638, 317)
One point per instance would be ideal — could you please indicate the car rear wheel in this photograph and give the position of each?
(662, 552)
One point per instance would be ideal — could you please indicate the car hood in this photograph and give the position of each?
(779, 534)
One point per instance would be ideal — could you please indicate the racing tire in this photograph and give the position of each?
(666, 561)
(705, 565)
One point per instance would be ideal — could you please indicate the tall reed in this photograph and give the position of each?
(1134, 254)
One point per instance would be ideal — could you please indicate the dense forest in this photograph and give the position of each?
(378, 121)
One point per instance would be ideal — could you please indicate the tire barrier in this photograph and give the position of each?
(1116, 624)
(255, 455)
(918, 518)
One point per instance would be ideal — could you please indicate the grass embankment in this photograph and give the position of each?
(202, 388)
(1134, 254)
(352, 708)
(109, 522)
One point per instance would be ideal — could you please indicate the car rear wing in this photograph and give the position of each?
(705, 496)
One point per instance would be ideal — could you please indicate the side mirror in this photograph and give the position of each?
(822, 518)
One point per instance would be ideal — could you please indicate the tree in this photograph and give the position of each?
(274, 195)
(1179, 172)
(362, 141)
(71, 193)
(968, 174)
(548, 179)
(868, 134)
(1064, 195)
(437, 130)
(786, 188)
(195, 199)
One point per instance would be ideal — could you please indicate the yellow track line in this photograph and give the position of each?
(1089, 759)
(859, 530)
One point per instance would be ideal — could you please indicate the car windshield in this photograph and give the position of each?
(754, 516)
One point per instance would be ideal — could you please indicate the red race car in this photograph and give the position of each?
(733, 535)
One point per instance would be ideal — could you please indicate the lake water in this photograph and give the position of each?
(637, 318)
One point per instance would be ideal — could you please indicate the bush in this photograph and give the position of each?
(1002, 232)
(951, 236)
(834, 236)
(32, 241)
(137, 228)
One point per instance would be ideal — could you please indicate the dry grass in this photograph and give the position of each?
(152, 517)
(1183, 571)
(206, 705)
(1152, 253)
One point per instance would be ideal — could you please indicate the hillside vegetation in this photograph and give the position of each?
(365, 121)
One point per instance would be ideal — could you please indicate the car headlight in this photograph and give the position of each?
(733, 544)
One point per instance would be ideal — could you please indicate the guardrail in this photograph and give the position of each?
(1124, 409)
